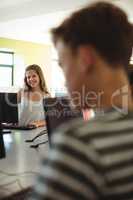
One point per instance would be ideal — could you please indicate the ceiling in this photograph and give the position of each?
(31, 20)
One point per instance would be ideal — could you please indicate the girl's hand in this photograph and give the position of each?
(38, 123)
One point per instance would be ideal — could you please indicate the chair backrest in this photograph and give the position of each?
(58, 111)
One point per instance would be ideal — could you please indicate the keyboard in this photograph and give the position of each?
(17, 126)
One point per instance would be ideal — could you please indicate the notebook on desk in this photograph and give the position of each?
(17, 126)
(57, 112)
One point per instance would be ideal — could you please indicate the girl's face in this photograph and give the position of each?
(33, 79)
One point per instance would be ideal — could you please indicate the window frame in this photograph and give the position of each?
(11, 66)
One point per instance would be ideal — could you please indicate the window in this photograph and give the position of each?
(131, 60)
(6, 68)
(58, 80)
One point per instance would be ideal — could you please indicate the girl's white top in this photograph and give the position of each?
(30, 111)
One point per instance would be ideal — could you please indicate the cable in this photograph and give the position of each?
(40, 134)
(12, 182)
(37, 145)
(18, 174)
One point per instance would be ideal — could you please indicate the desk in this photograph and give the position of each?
(18, 169)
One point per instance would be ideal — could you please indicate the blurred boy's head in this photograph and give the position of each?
(94, 47)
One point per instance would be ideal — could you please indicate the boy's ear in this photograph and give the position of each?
(86, 58)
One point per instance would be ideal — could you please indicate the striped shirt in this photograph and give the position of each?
(89, 161)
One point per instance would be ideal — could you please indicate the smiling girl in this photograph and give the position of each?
(31, 97)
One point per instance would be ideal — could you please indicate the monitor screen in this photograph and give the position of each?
(2, 147)
(8, 114)
(58, 111)
(8, 108)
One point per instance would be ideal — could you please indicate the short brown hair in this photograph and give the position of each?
(38, 70)
(102, 25)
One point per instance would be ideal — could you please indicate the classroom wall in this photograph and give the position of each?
(27, 53)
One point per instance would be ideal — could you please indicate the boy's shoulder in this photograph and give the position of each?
(108, 122)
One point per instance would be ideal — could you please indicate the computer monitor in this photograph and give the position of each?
(2, 147)
(8, 108)
(8, 114)
(58, 111)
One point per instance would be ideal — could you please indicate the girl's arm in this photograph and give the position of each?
(19, 96)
